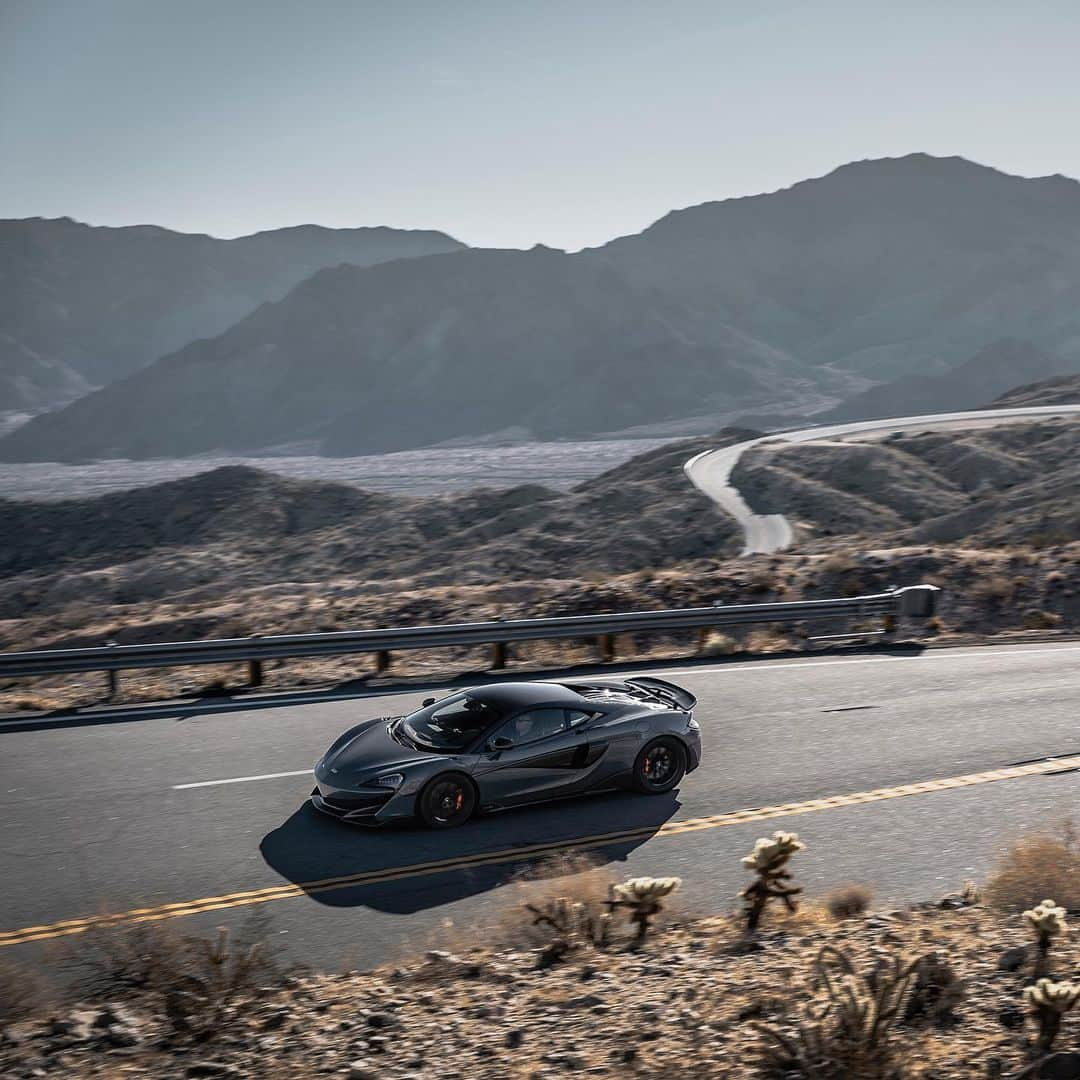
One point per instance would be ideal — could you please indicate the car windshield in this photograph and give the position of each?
(450, 725)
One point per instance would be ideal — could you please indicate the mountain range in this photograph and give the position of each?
(882, 272)
(83, 305)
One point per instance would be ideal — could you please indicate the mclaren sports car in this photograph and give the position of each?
(507, 744)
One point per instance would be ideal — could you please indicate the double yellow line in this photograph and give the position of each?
(71, 927)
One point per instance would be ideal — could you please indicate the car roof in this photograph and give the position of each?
(519, 695)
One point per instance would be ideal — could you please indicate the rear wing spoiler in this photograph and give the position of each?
(683, 699)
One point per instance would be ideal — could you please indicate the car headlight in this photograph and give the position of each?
(390, 780)
(693, 725)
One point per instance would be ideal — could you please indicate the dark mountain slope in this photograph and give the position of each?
(967, 386)
(886, 267)
(106, 301)
(417, 351)
(1062, 390)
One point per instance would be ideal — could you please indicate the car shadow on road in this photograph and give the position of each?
(312, 850)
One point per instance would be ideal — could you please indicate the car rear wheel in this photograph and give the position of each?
(446, 801)
(660, 765)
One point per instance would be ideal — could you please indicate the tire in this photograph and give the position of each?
(448, 800)
(660, 765)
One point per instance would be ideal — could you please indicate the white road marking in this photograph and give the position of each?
(241, 779)
(945, 654)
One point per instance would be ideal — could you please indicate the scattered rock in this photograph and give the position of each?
(1011, 1016)
(1061, 1066)
(1013, 959)
(210, 1068)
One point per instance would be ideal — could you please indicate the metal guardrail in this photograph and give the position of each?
(918, 601)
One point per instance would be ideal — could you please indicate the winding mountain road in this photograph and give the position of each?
(904, 770)
(710, 471)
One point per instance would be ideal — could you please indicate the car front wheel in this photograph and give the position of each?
(446, 801)
(660, 765)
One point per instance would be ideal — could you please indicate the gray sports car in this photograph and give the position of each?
(507, 744)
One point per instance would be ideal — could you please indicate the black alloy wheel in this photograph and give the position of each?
(660, 766)
(448, 800)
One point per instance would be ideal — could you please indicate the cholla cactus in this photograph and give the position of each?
(769, 861)
(1047, 920)
(1051, 1001)
(642, 897)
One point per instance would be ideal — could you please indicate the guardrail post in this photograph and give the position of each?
(255, 673)
(498, 655)
(607, 648)
(382, 661)
(918, 601)
(112, 678)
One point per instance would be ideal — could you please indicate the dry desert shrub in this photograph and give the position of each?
(840, 563)
(717, 644)
(848, 1034)
(197, 981)
(1037, 866)
(767, 640)
(848, 901)
(1040, 620)
(995, 587)
(550, 884)
(23, 992)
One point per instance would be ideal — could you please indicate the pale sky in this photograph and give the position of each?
(564, 122)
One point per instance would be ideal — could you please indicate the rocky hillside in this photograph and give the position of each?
(216, 534)
(1018, 484)
(96, 303)
(1062, 390)
(418, 351)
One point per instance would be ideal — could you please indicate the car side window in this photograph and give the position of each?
(575, 717)
(534, 724)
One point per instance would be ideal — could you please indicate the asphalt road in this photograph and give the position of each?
(137, 814)
(710, 471)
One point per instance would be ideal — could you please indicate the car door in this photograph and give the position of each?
(546, 754)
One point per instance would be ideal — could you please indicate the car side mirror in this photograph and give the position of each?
(500, 742)
(427, 701)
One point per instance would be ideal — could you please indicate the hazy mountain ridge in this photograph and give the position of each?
(886, 270)
(416, 351)
(105, 301)
(885, 267)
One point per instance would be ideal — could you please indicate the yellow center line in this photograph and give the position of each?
(135, 916)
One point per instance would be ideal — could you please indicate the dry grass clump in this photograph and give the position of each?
(848, 901)
(1037, 619)
(23, 992)
(717, 644)
(996, 587)
(842, 562)
(767, 640)
(1037, 866)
